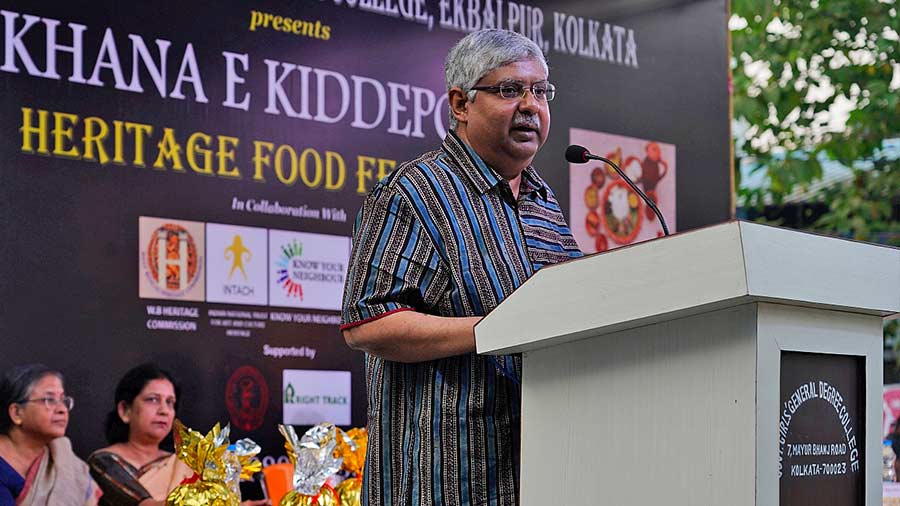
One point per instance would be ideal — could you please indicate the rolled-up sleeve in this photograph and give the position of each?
(393, 264)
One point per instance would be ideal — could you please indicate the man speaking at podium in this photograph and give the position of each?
(437, 244)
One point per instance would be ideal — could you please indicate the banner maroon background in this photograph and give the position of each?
(70, 248)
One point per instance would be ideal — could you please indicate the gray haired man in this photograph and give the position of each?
(437, 244)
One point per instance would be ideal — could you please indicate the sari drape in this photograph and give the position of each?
(125, 485)
(59, 478)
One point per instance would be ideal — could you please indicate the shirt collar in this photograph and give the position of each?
(532, 182)
(481, 175)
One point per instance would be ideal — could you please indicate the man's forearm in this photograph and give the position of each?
(409, 336)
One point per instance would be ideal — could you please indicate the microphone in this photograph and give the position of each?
(580, 154)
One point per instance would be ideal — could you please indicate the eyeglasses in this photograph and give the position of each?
(540, 91)
(52, 402)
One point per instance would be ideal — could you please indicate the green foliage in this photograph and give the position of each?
(863, 209)
(796, 64)
(794, 61)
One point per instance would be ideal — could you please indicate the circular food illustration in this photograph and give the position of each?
(621, 212)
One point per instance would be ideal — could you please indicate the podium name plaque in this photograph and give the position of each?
(737, 364)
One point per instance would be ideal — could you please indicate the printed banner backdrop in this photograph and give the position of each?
(179, 179)
(611, 214)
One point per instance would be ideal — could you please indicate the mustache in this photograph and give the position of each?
(523, 120)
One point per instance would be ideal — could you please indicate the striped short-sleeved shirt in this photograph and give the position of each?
(443, 235)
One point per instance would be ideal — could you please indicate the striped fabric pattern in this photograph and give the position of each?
(443, 235)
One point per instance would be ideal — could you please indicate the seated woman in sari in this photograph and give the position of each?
(37, 465)
(133, 470)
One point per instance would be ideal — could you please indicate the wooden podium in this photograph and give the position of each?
(738, 364)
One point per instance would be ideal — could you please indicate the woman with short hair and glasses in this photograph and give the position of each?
(37, 465)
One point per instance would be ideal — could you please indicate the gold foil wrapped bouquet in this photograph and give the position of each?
(205, 455)
(314, 460)
(351, 448)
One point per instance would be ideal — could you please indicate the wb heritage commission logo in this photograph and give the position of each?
(307, 269)
(171, 259)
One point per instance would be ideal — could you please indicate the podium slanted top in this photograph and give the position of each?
(690, 273)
